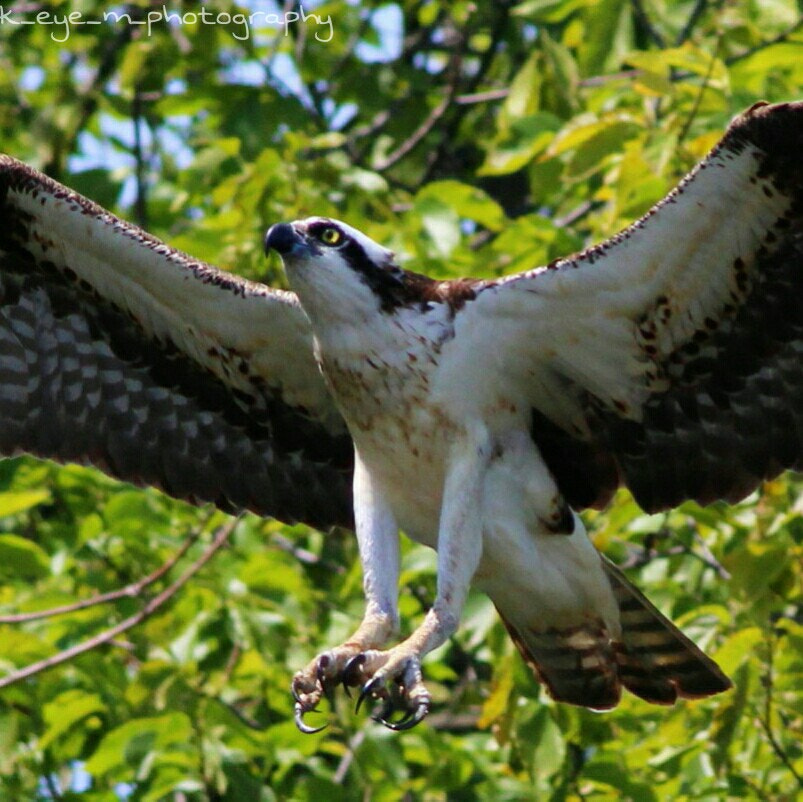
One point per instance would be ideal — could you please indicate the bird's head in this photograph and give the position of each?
(335, 269)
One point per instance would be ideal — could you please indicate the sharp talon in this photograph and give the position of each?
(383, 715)
(360, 699)
(367, 690)
(300, 712)
(410, 720)
(351, 671)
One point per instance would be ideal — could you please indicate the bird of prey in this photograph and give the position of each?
(475, 415)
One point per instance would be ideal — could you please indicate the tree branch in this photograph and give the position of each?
(644, 21)
(699, 96)
(687, 30)
(650, 553)
(149, 609)
(129, 591)
(429, 123)
(351, 750)
(112, 51)
(779, 39)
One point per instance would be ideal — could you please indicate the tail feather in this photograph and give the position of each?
(576, 665)
(584, 665)
(656, 660)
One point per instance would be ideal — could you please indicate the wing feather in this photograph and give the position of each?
(118, 351)
(669, 356)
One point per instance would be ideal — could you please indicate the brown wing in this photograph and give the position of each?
(669, 358)
(120, 352)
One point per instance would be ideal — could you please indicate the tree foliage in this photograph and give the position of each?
(473, 138)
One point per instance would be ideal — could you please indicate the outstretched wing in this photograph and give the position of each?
(669, 358)
(120, 352)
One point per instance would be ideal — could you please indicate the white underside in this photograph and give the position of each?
(536, 578)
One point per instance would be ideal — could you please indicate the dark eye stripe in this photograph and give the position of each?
(384, 280)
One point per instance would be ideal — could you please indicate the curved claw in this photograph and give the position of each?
(369, 689)
(352, 671)
(383, 716)
(350, 677)
(300, 712)
(408, 721)
(413, 715)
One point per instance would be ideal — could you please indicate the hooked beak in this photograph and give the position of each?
(282, 238)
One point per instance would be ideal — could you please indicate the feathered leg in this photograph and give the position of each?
(378, 539)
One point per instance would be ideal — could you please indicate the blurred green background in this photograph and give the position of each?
(472, 138)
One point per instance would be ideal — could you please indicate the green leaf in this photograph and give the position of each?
(13, 502)
(738, 648)
(467, 201)
(549, 10)
(730, 714)
(593, 141)
(66, 711)
(687, 58)
(441, 222)
(128, 744)
(525, 139)
(523, 94)
(22, 558)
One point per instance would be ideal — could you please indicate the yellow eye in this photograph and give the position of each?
(330, 236)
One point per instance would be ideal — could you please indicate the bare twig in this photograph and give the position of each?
(151, 607)
(454, 722)
(779, 39)
(601, 80)
(348, 758)
(687, 30)
(52, 788)
(372, 127)
(707, 556)
(415, 138)
(429, 123)
(354, 40)
(111, 53)
(755, 788)
(650, 553)
(129, 591)
(481, 97)
(247, 721)
(699, 96)
(304, 555)
(644, 21)
(575, 215)
(460, 110)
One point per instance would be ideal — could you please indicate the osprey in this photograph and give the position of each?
(476, 416)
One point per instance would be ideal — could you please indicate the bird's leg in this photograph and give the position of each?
(394, 676)
(378, 540)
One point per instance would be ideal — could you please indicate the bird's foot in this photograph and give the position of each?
(391, 677)
(319, 679)
(394, 679)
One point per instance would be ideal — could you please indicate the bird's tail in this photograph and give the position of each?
(584, 665)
